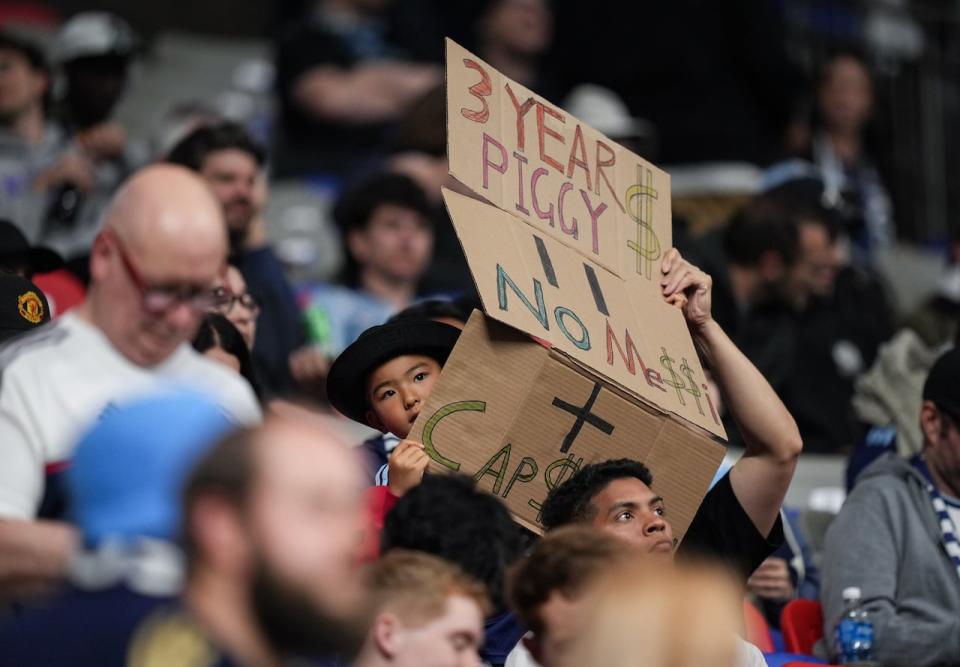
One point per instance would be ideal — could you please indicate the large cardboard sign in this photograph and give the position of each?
(587, 279)
(521, 418)
(538, 162)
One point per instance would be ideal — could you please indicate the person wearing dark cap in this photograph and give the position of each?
(19, 257)
(896, 538)
(22, 306)
(383, 380)
(124, 490)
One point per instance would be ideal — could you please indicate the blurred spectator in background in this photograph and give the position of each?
(237, 304)
(22, 306)
(27, 139)
(231, 162)
(837, 153)
(341, 83)
(389, 239)
(748, 260)
(124, 493)
(92, 52)
(427, 613)
(513, 36)
(18, 256)
(896, 538)
(271, 524)
(810, 322)
(218, 339)
(420, 151)
(445, 515)
(149, 291)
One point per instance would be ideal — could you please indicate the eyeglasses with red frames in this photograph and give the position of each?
(158, 299)
(224, 300)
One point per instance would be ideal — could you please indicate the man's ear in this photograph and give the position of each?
(531, 642)
(930, 422)
(220, 534)
(386, 632)
(374, 421)
(99, 259)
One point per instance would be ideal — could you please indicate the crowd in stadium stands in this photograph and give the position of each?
(204, 456)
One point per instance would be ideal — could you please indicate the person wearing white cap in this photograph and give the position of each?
(91, 55)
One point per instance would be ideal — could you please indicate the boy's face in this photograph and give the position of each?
(397, 390)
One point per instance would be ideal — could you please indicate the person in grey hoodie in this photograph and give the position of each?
(896, 539)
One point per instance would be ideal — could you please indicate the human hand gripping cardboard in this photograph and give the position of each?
(406, 467)
(688, 288)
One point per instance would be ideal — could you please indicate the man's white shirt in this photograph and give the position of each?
(55, 382)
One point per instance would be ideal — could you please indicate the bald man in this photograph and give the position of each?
(152, 267)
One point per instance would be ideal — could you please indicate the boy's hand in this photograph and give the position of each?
(687, 287)
(406, 467)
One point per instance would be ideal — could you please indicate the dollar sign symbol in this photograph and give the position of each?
(554, 475)
(675, 381)
(666, 361)
(639, 204)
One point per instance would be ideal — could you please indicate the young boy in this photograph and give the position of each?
(384, 379)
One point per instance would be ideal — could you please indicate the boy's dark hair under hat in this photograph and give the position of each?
(346, 382)
(22, 306)
(14, 247)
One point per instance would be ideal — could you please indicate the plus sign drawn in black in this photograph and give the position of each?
(583, 415)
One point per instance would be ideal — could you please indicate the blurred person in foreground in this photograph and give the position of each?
(684, 618)
(567, 578)
(131, 336)
(124, 489)
(427, 614)
(232, 163)
(271, 525)
(341, 84)
(448, 517)
(896, 538)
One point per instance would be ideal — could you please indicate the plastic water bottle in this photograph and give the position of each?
(853, 637)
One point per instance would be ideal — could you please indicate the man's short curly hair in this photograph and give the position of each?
(572, 501)
(449, 517)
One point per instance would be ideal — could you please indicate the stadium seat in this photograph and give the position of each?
(802, 624)
(757, 629)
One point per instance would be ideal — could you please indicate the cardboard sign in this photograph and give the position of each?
(521, 418)
(538, 162)
(538, 285)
